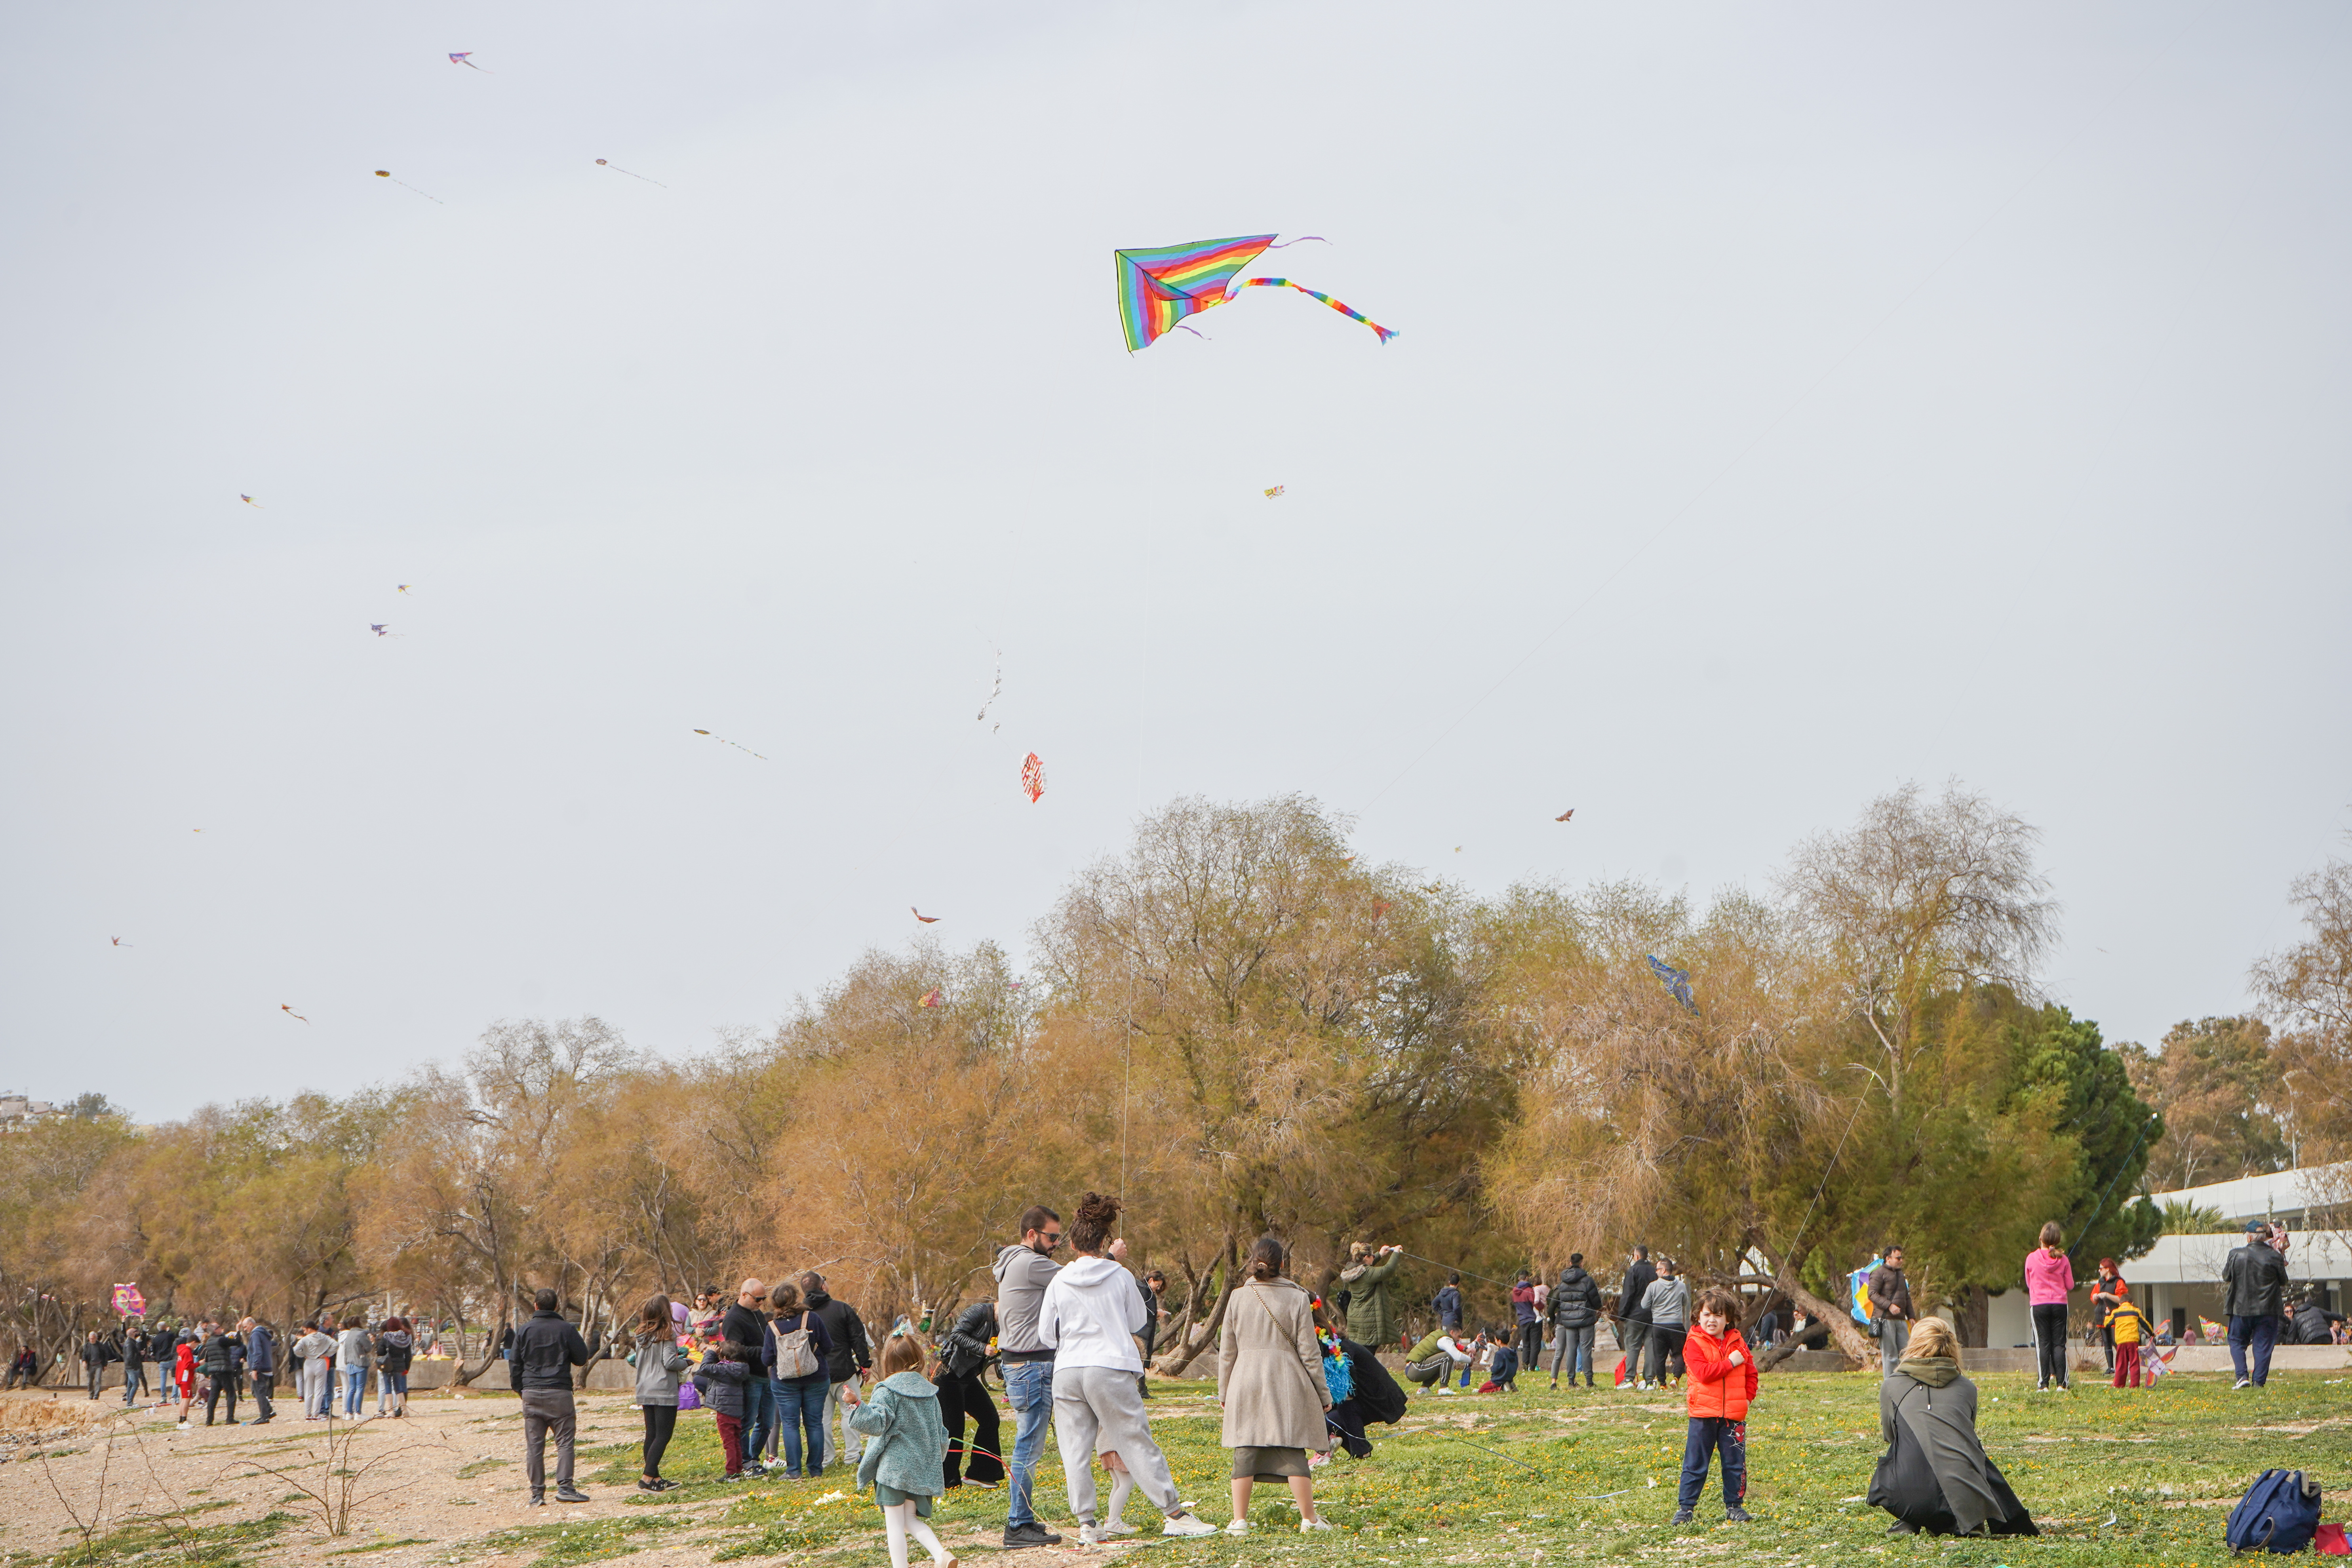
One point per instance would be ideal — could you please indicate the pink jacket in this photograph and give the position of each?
(2048, 1278)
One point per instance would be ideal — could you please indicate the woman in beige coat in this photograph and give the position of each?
(1270, 1382)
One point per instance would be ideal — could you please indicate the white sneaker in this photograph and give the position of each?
(1238, 1527)
(1090, 1535)
(1114, 1528)
(184, 1425)
(1307, 1526)
(2242, 1382)
(1445, 1391)
(1188, 1525)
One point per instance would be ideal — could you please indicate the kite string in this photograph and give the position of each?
(1783, 417)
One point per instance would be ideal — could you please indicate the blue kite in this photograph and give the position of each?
(1678, 981)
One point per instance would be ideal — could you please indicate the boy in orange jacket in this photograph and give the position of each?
(1722, 1382)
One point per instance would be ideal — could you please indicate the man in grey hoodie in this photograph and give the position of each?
(1023, 1271)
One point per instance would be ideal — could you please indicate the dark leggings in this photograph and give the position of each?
(2050, 1342)
(661, 1420)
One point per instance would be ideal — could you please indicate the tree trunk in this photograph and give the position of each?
(1859, 1352)
(1173, 1365)
(1972, 1315)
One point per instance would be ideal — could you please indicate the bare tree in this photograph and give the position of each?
(1919, 898)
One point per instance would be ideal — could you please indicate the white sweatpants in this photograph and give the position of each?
(1099, 1409)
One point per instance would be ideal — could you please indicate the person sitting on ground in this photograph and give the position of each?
(1933, 1476)
(1502, 1371)
(1372, 1393)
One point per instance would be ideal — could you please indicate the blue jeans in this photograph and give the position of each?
(758, 1415)
(2262, 1334)
(134, 1382)
(800, 1412)
(1707, 1436)
(355, 1388)
(1029, 1389)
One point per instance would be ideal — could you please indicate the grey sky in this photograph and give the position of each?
(1851, 394)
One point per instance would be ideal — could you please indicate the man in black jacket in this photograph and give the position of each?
(95, 1354)
(852, 1356)
(2253, 1288)
(134, 1362)
(545, 1352)
(220, 1357)
(744, 1323)
(1575, 1307)
(1633, 1318)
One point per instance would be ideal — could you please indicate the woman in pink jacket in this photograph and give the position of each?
(2049, 1275)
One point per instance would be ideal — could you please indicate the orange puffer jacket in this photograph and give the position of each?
(1717, 1388)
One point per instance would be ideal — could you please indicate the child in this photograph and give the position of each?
(724, 1381)
(1722, 1382)
(905, 1463)
(660, 1358)
(2128, 1324)
(184, 1375)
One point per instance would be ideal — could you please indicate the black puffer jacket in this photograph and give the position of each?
(221, 1355)
(1576, 1300)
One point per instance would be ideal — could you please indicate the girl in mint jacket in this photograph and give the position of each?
(903, 1462)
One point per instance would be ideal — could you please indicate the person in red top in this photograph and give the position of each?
(183, 1374)
(1722, 1383)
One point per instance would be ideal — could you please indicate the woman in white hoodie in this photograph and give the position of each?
(1090, 1317)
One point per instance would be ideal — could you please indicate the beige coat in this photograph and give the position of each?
(1270, 1370)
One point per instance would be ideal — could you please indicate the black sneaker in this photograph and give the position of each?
(1682, 1516)
(570, 1494)
(536, 1502)
(1903, 1527)
(1735, 1514)
(1031, 1534)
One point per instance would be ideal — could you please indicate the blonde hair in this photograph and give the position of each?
(1931, 1338)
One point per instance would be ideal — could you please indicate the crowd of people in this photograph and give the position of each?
(797, 1385)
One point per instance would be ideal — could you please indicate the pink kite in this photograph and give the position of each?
(1033, 777)
(128, 1301)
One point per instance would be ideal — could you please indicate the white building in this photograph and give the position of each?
(2180, 1280)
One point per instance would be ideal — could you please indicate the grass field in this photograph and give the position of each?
(2142, 1478)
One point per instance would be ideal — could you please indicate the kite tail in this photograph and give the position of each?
(1352, 315)
(1301, 240)
(1180, 327)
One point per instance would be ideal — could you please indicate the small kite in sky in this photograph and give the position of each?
(467, 60)
(1033, 777)
(253, 503)
(403, 184)
(1159, 287)
(400, 587)
(288, 1008)
(994, 691)
(1274, 492)
(618, 170)
(118, 941)
(1564, 816)
(378, 628)
(927, 920)
(725, 741)
(1383, 907)
(1678, 981)
(932, 998)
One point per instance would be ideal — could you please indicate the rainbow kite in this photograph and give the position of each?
(1159, 287)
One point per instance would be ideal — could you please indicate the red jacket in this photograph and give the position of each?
(1717, 1388)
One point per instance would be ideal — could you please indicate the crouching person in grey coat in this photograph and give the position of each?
(1935, 1475)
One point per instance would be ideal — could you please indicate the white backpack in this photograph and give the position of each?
(795, 1357)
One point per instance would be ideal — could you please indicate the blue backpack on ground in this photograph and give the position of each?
(2280, 1512)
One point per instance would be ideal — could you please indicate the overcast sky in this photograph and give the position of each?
(1791, 401)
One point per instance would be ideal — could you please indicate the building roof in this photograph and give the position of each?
(2277, 1192)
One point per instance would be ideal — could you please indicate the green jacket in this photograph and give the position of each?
(1371, 1318)
(902, 1415)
